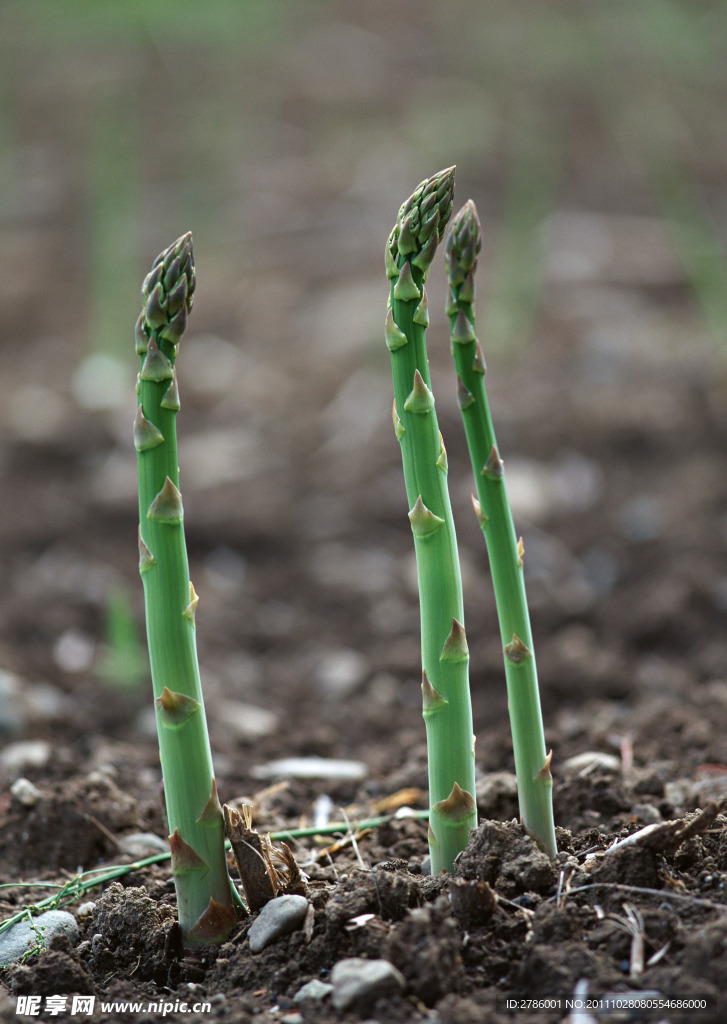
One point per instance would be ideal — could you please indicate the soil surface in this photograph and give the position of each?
(612, 420)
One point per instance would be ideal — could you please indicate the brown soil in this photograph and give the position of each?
(613, 426)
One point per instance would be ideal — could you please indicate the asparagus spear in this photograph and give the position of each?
(445, 659)
(193, 810)
(505, 552)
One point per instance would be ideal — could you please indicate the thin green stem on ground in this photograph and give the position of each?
(505, 551)
(193, 810)
(445, 658)
(72, 890)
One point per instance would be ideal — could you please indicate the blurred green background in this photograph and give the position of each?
(285, 134)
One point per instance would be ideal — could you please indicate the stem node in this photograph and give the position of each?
(516, 652)
(146, 435)
(191, 609)
(455, 646)
(175, 708)
(214, 925)
(167, 506)
(156, 366)
(420, 400)
(405, 289)
(458, 806)
(494, 468)
(423, 522)
(432, 700)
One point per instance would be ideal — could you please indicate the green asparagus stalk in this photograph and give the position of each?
(445, 658)
(505, 551)
(194, 814)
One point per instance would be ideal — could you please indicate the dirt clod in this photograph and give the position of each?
(505, 857)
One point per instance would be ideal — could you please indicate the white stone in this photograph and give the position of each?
(25, 754)
(358, 983)
(311, 768)
(278, 917)
(25, 792)
(315, 990)
(17, 940)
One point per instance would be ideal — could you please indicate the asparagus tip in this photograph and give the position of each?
(168, 291)
(421, 222)
(464, 242)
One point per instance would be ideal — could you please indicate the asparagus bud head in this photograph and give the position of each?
(464, 242)
(421, 223)
(168, 292)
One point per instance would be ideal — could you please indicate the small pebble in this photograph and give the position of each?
(86, 908)
(315, 990)
(246, 721)
(311, 768)
(647, 813)
(358, 983)
(340, 673)
(590, 759)
(101, 381)
(143, 844)
(73, 651)
(25, 792)
(21, 937)
(13, 715)
(25, 754)
(278, 917)
(642, 519)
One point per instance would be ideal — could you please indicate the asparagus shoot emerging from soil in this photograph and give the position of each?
(505, 551)
(193, 810)
(445, 659)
